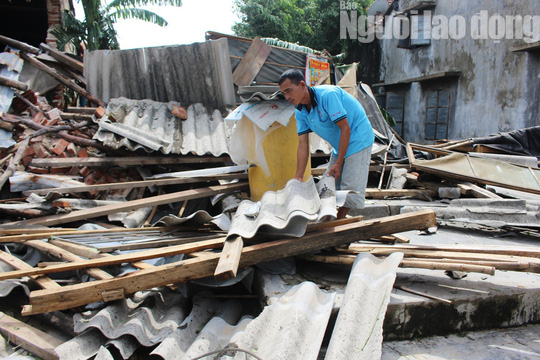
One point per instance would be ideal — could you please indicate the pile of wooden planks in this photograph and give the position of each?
(202, 262)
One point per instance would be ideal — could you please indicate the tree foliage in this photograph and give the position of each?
(312, 23)
(97, 30)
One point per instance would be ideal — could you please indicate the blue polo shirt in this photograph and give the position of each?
(330, 104)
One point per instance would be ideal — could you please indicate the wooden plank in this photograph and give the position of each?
(135, 184)
(37, 234)
(157, 243)
(480, 249)
(325, 225)
(5, 81)
(401, 238)
(31, 339)
(18, 45)
(251, 63)
(414, 193)
(78, 263)
(16, 263)
(405, 263)
(229, 259)
(131, 205)
(63, 58)
(127, 161)
(477, 191)
(63, 79)
(80, 294)
(60, 253)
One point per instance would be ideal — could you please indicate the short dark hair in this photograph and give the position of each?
(294, 75)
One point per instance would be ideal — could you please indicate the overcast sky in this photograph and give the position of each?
(187, 24)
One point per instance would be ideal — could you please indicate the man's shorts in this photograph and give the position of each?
(354, 176)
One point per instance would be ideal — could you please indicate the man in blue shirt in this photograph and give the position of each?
(337, 117)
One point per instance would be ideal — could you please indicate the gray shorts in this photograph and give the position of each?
(354, 176)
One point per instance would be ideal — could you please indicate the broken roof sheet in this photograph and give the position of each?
(149, 324)
(284, 212)
(196, 73)
(150, 125)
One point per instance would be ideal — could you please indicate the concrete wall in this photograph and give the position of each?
(498, 89)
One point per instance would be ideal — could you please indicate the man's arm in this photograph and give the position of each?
(302, 156)
(344, 138)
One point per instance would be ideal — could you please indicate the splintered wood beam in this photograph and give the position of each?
(80, 294)
(227, 267)
(131, 205)
(77, 263)
(35, 341)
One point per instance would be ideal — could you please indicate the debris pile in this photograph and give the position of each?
(143, 233)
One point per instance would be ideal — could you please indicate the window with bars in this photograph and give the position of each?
(437, 114)
(395, 106)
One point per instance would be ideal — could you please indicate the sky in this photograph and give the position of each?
(187, 24)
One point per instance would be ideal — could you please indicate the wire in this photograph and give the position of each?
(223, 351)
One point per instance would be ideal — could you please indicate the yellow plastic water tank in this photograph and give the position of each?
(280, 148)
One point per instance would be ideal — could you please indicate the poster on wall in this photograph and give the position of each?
(317, 71)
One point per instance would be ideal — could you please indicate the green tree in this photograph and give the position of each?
(97, 30)
(312, 23)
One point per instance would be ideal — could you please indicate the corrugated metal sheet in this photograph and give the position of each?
(150, 125)
(23, 181)
(10, 67)
(196, 73)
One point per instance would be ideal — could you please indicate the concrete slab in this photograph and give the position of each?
(507, 344)
(479, 301)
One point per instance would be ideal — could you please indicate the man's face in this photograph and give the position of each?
(293, 93)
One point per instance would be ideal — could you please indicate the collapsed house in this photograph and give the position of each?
(125, 224)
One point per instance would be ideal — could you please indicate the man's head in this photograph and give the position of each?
(293, 86)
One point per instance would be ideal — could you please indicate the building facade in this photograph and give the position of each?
(460, 69)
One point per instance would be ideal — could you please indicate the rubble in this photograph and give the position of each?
(142, 233)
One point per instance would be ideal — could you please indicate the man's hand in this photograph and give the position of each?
(335, 171)
(301, 179)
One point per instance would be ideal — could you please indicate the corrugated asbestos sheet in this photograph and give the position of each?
(188, 74)
(285, 212)
(366, 299)
(150, 125)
